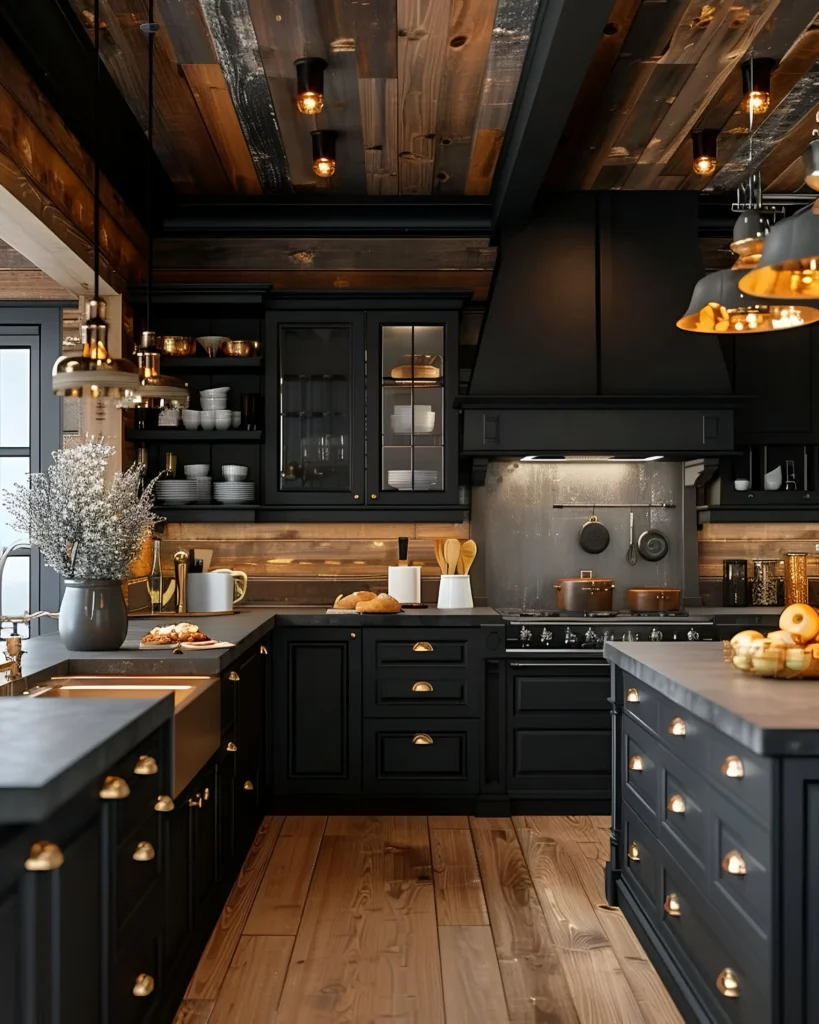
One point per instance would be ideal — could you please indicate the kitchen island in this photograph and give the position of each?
(715, 831)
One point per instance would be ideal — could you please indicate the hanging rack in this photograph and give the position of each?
(627, 504)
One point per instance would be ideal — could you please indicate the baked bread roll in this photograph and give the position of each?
(382, 603)
(351, 600)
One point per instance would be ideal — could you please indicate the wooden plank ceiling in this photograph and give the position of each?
(420, 91)
(666, 67)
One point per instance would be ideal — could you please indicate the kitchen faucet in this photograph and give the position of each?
(18, 545)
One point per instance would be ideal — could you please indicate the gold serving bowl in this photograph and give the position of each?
(239, 347)
(176, 345)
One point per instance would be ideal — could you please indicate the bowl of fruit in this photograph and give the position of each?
(790, 652)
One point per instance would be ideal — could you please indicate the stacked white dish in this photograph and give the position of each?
(213, 399)
(407, 480)
(234, 492)
(176, 492)
(405, 417)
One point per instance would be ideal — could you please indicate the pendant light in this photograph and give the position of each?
(324, 152)
(718, 306)
(310, 84)
(811, 158)
(753, 224)
(704, 142)
(94, 373)
(789, 267)
(756, 85)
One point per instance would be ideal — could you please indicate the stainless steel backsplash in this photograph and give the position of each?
(525, 544)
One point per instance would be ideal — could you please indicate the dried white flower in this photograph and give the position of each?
(84, 529)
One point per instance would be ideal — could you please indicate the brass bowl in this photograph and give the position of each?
(176, 345)
(239, 347)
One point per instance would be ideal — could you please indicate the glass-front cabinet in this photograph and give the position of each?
(363, 407)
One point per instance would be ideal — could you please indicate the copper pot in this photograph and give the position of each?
(584, 593)
(176, 345)
(239, 347)
(653, 599)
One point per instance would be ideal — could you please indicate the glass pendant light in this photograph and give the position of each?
(94, 373)
(324, 152)
(756, 85)
(811, 158)
(310, 84)
(718, 306)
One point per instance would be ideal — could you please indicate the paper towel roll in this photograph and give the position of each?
(404, 583)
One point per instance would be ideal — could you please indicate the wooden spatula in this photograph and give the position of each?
(439, 555)
(468, 551)
(452, 552)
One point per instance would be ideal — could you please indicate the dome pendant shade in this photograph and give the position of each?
(750, 231)
(719, 307)
(94, 374)
(811, 158)
(789, 268)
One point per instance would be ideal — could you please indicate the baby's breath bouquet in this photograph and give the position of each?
(85, 529)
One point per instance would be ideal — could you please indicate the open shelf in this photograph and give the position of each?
(177, 434)
(216, 365)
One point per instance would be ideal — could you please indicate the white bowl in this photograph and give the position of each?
(191, 418)
(217, 403)
(196, 470)
(742, 485)
(208, 419)
(234, 473)
(236, 419)
(222, 419)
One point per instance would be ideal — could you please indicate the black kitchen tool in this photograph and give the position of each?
(594, 537)
(653, 545)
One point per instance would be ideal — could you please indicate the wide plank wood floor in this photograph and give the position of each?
(414, 920)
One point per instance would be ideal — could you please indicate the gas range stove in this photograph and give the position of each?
(566, 634)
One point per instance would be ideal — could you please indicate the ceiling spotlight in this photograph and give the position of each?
(719, 307)
(705, 150)
(756, 85)
(324, 153)
(310, 84)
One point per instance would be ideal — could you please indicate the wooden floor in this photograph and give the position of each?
(413, 920)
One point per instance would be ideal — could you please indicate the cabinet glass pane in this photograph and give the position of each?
(15, 385)
(314, 407)
(412, 407)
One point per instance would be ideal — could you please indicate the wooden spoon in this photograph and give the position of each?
(468, 551)
(439, 555)
(452, 552)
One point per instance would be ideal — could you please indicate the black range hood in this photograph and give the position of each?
(580, 353)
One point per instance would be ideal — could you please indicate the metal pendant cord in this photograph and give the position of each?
(97, 118)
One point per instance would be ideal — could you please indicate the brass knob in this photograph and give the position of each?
(671, 905)
(733, 768)
(632, 696)
(352, 635)
(356, 497)
(144, 985)
(249, 785)
(422, 739)
(195, 801)
(422, 687)
(206, 794)
(164, 804)
(144, 851)
(633, 852)
(422, 645)
(44, 856)
(676, 804)
(374, 497)
(728, 983)
(231, 748)
(734, 863)
(635, 763)
(676, 727)
(263, 649)
(114, 788)
(146, 765)
(233, 677)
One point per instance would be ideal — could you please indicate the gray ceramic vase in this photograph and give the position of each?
(93, 616)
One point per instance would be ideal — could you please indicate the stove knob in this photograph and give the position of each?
(607, 635)
(546, 636)
(693, 634)
(525, 634)
(625, 637)
(570, 639)
(591, 637)
(655, 634)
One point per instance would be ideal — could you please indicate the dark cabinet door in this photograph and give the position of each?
(316, 711)
(178, 876)
(11, 992)
(226, 844)
(779, 406)
(203, 840)
(314, 414)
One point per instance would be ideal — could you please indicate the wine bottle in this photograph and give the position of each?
(155, 582)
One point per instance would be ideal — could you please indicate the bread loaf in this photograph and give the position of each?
(351, 600)
(382, 603)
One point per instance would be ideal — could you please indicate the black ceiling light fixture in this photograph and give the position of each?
(324, 152)
(704, 141)
(718, 306)
(310, 84)
(756, 85)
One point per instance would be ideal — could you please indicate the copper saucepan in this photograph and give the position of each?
(584, 593)
(653, 599)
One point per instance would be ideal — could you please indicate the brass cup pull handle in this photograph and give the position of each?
(633, 852)
(422, 739)
(233, 677)
(249, 785)
(195, 801)
(728, 983)
(144, 985)
(44, 856)
(676, 727)
(231, 748)
(422, 687)
(263, 649)
(632, 696)
(671, 905)
(733, 768)
(164, 804)
(421, 646)
(734, 863)
(144, 851)
(146, 765)
(676, 804)
(635, 763)
(114, 788)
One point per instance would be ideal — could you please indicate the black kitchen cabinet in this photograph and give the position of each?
(203, 856)
(316, 711)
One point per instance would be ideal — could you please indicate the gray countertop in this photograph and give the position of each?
(51, 749)
(766, 715)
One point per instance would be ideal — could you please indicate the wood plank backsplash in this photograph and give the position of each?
(718, 541)
(311, 563)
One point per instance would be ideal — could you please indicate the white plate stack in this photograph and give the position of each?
(204, 490)
(404, 416)
(234, 492)
(176, 492)
(406, 480)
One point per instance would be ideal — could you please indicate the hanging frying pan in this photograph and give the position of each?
(653, 545)
(594, 537)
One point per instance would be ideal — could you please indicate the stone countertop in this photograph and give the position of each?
(769, 716)
(51, 749)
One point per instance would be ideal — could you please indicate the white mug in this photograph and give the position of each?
(455, 592)
(216, 591)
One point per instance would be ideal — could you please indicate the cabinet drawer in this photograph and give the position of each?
(436, 691)
(685, 735)
(639, 700)
(144, 789)
(454, 648)
(134, 873)
(739, 774)
(561, 762)
(406, 755)
(740, 873)
(560, 687)
(640, 771)
(695, 928)
(138, 960)
(641, 865)
(683, 816)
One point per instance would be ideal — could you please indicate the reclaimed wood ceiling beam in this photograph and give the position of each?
(376, 29)
(234, 41)
(31, 286)
(11, 259)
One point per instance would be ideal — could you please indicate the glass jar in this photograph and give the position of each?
(796, 577)
(764, 585)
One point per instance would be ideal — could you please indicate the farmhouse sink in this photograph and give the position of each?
(197, 711)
